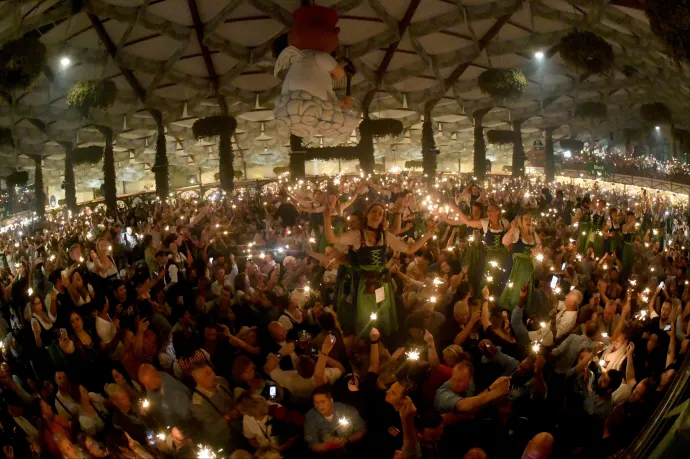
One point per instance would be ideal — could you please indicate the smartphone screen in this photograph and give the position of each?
(554, 282)
(272, 392)
(661, 285)
(563, 267)
(667, 327)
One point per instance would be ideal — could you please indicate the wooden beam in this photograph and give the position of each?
(112, 52)
(460, 69)
(633, 4)
(208, 61)
(390, 52)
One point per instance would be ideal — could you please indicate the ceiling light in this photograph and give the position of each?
(657, 128)
(539, 55)
(65, 62)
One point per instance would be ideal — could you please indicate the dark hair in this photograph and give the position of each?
(305, 366)
(169, 239)
(148, 240)
(327, 321)
(324, 389)
(98, 303)
(586, 314)
(55, 276)
(160, 253)
(616, 378)
(462, 291)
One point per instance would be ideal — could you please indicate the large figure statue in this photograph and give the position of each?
(307, 103)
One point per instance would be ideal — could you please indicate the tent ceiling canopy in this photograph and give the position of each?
(191, 58)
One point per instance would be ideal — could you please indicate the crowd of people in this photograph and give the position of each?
(345, 317)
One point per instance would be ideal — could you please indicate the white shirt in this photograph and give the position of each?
(312, 75)
(298, 386)
(486, 225)
(565, 322)
(106, 331)
(354, 239)
(259, 429)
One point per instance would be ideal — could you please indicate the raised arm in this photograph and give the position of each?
(374, 360)
(498, 389)
(629, 366)
(510, 236)
(431, 349)
(331, 237)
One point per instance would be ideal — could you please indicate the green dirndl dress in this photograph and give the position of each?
(596, 238)
(495, 254)
(368, 273)
(628, 258)
(583, 227)
(521, 273)
(344, 295)
(616, 241)
(473, 260)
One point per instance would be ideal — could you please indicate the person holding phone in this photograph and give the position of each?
(212, 404)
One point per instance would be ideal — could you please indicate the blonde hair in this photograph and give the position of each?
(524, 231)
(454, 352)
(251, 404)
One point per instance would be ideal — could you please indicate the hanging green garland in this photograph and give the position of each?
(39, 194)
(6, 137)
(280, 170)
(212, 126)
(413, 164)
(87, 155)
(69, 184)
(656, 113)
(586, 52)
(592, 110)
(670, 21)
(500, 137)
(19, 178)
(502, 83)
(429, 151)
(572, 145)
(88, 94)
(381, 127)
(223, 127)
(160, 165)
(21, 62)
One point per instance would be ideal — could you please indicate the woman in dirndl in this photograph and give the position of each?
(371, 291)
(583, 220)
(629, 231)
(523, 241)
(613, 235)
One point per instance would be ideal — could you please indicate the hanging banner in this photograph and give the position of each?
(599, 169)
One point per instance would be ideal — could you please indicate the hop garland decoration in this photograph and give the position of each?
(573, 145)
(593, 110)
(670, 21)
(20, 178)
(212, 126)
(88, 94)
(501, 137)
(413, 164)
(87, 155)
(586, 52)
(21, 62)
(502, 83)
(6, 137)
(656, 113)
(381, 127)
(279, 170)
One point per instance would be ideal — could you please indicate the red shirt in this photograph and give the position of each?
(438, 376)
